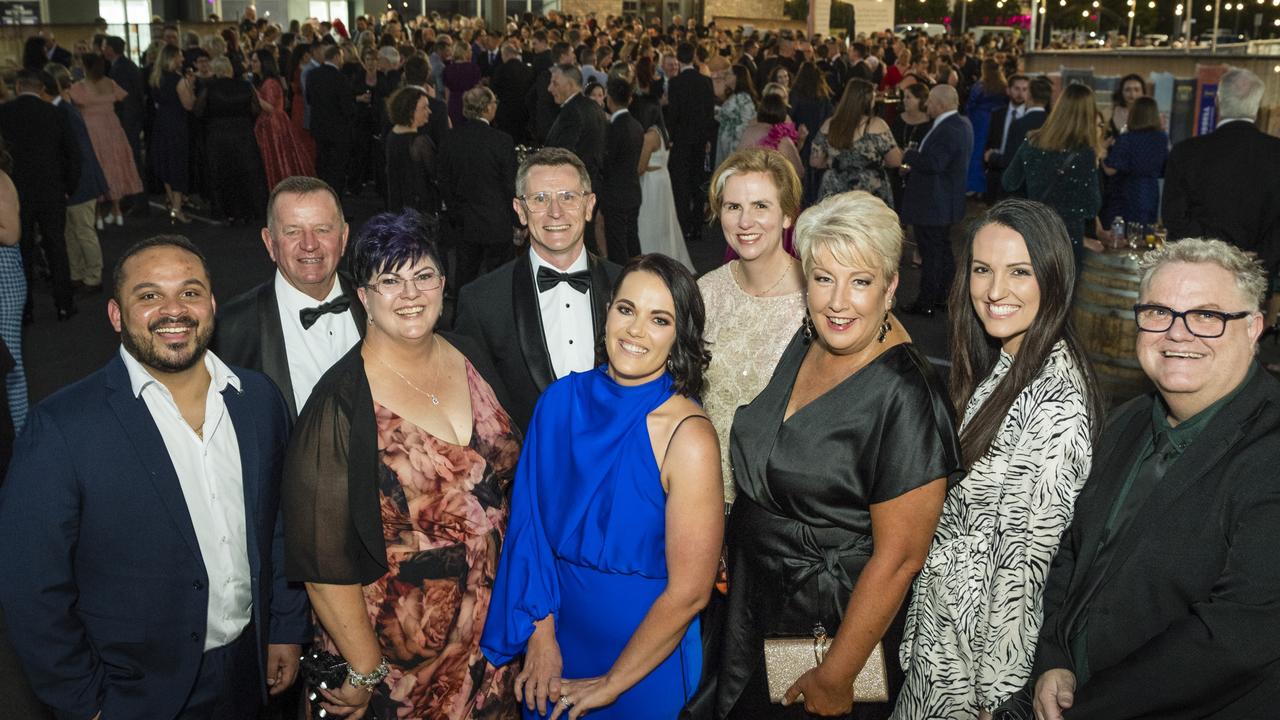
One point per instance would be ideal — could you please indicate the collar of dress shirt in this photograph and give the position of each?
(294, 301)
(32, 94)
(536, 261)
(616, 114)
(687, 67)
(1033, 108)
(57, 100)
(938, 120)
(1224, 121)
(139, 378)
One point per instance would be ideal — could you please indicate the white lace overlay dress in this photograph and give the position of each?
(747, 335)
(977, 605)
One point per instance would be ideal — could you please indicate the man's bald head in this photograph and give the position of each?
(942, 98)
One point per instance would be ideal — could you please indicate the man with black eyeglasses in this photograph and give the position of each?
(1164, 598)
(540, 316)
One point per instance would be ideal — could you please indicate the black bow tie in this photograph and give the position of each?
(548, 278)
(309, 316)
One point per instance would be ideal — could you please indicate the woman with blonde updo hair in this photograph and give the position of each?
(840, 465)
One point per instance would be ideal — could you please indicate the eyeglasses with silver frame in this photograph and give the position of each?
(540, 202)
(1198, 321)
(393, 285)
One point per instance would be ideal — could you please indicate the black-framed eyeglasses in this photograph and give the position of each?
(1199, 322)
(540, 202)
(393, 285)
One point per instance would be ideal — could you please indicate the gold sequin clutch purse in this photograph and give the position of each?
(787, 658)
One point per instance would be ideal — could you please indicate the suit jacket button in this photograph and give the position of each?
(197, 585)
(195, 637)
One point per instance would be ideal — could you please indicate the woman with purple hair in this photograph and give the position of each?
(397, 489)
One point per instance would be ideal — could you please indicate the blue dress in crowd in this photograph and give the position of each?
(1133, 193)
(978, 109)
(587, 541)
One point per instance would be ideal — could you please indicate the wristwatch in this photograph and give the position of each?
(371, 680)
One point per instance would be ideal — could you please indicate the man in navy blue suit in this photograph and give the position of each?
(144, 557)
(933, 199)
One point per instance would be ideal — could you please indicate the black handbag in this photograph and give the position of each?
(321, 669)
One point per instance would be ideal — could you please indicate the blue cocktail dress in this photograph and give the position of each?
(587, 541)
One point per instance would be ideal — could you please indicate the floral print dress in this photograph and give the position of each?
(444, 515)
(857, 167)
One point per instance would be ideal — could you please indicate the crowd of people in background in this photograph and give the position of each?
(498, 452)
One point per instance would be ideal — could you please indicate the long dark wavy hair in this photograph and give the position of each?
(975, 353)
(689, 356)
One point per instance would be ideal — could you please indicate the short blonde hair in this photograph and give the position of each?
(221, 67)
(1249, 276)
(761, 160)
(857, 228)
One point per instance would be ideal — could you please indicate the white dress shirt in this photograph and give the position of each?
(937, 123)
(212, 483)
(311, 352)
(566, 319)
(1013, 113)
(615, 115)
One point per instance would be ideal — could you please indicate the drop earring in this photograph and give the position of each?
(806, 328)
(885, 327)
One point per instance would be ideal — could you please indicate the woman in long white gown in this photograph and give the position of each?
(658, 226)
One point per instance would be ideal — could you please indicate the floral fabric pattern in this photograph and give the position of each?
(444, 515)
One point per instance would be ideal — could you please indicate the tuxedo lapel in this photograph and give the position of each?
(244, 420)
(358, 315)
(138, 425)
(600, 294)
(528, 317)
(275, 361)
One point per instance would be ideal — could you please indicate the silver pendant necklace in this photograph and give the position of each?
(434, 400)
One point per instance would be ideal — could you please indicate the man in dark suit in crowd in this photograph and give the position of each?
(580, 125)
(477, 175)
(1002, 120)
(539, 316)
(1039, 93)
(46, 171)
(131, 110)
(620, 193)
(487, 55)
(691, 122)
(1225, 185)
(933, 198)
(748, 59)
(510, 84)
(333, 116)
(543, 106)
(144, 571)
(294, 326)
(1163, 597)
(54, 51)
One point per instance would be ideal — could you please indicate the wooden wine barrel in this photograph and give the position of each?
(1102, 312)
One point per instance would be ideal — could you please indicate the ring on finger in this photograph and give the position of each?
(566, 701)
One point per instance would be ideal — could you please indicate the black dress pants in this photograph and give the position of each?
(52, 221)
(332, 156)
(622, 233)
(685, 166)
(937, 263)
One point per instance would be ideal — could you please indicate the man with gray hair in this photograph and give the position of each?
(1163, 598)
(1224, 184)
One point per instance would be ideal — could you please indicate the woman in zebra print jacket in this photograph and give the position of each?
(1031, 409)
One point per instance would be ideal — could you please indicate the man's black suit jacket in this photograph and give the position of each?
(248, 333)
(477, 176)
(131, 110)
(1018, 130)
(580, 127)
(500, 311)
(1224, 185)
(691, 109)
(333, 106)
(510, 84)
(620, 188)
(1182, 623)
(46, 156)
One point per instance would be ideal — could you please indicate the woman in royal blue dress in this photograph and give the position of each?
(617, 515)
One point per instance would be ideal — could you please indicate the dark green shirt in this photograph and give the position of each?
(1180, 438)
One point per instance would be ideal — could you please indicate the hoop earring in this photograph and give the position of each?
(885, 327)
(806, 328)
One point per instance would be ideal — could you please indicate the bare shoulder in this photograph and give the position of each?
(878, 125)
(680, 428)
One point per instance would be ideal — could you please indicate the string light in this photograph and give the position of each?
(1095, 3)
(1152, 4)
(1084, 13)
(1130, 13)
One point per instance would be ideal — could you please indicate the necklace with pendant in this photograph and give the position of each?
(434, 400)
